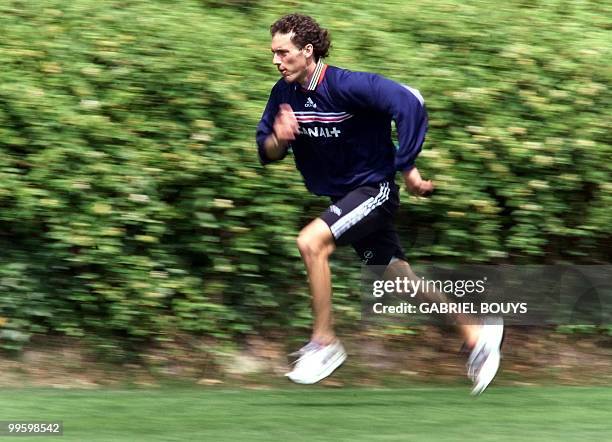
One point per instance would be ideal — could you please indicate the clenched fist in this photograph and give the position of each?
(285, 126)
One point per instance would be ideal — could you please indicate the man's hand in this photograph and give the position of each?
(417, 185)
(284, 130)
(285, 126)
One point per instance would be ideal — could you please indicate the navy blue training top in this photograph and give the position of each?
(345, 128)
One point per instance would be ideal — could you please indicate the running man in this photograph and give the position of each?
(338, 126)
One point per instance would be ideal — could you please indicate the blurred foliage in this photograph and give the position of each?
(132, 203)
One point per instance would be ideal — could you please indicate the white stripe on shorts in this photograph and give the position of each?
(360, 212)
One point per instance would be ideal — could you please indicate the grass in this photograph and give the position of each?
(318, 414)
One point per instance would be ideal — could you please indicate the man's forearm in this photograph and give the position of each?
(417, 185)
(275, 149)
(413, 180)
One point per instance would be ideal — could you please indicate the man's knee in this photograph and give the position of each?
(315, 240)
(399, 267)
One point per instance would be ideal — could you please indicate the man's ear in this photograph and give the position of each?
(308, 50)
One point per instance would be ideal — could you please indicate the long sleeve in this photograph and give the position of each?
(405, 105)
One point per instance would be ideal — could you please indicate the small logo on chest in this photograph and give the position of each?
(310, 103)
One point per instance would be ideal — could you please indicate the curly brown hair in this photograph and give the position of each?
(306, 30)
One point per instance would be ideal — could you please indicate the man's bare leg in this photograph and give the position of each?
(324, 353)
(465, 324)
(316, 244)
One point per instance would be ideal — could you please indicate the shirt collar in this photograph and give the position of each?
(318, 74)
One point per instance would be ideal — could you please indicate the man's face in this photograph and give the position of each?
(290, 61)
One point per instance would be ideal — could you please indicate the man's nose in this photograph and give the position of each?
(276, 59)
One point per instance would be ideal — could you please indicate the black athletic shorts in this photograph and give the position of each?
(364, 219)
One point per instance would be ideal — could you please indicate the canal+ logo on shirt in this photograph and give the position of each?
(326, 120)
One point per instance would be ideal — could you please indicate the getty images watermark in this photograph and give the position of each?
(433, 293)
(527, 295)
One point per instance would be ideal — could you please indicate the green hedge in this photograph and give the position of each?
(132, 203)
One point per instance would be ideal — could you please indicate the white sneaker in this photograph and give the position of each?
(485, 357)
(316, 362)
